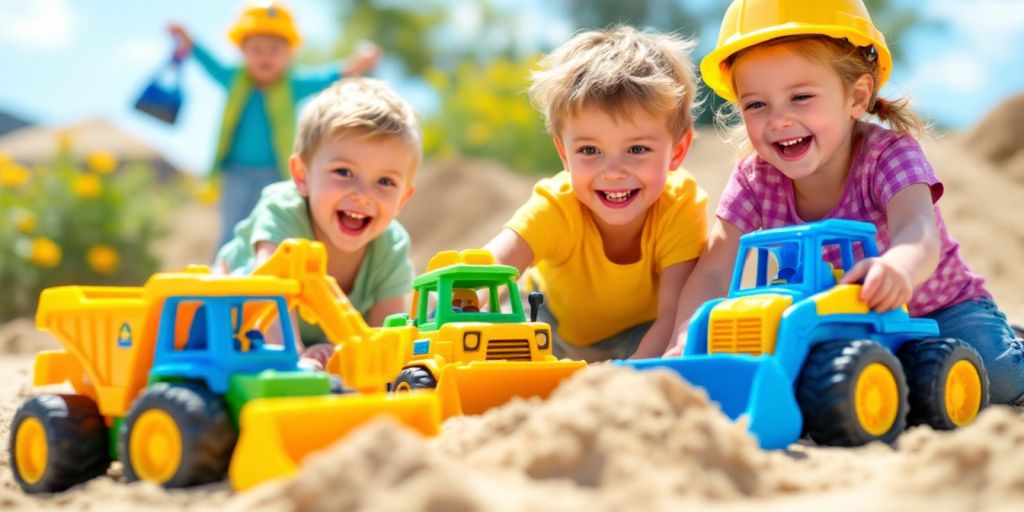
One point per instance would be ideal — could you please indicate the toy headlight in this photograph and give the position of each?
(470, 341)
(543, 340)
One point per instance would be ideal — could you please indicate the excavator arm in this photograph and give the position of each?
(366, 358)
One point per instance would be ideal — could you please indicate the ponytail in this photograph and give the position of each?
(897, 114)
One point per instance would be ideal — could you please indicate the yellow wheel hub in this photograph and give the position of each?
(155, 446)
(963, 393)
(876, 399)
(30, 450)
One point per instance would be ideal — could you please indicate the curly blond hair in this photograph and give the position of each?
(362, 107)
(621, 71)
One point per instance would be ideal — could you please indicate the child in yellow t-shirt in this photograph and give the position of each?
(613, 237)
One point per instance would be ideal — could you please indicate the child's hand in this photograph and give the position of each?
(364, 59)
(885, 286)
(183, 40)
(674, 351)
(319, 354)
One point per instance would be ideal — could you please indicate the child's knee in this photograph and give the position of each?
(1006, 375)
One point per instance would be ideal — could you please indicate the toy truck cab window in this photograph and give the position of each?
(770, 264)
(244, 322)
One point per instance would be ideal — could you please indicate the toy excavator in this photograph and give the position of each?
(176, 379)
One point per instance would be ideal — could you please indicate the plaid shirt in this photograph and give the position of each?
(759, 196)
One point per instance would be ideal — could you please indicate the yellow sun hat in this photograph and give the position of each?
(265, 18)
(751, 22)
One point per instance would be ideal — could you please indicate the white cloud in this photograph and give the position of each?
(44, 24)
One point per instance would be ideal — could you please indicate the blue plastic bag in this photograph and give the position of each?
(162, 97)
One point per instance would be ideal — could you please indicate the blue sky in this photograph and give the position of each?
(63, 61)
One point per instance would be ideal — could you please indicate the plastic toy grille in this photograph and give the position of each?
(511, 350)
(736, 336)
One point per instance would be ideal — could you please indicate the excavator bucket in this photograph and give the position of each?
(276, 434)
(474, 387)
(742, 385)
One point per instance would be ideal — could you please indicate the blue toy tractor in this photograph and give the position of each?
(796, 353)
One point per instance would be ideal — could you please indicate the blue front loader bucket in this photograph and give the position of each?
(742, 385)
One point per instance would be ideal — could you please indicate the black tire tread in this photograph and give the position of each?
(77, 441)
(825, 392)
(207, 431)
(926, 363)
(417, 377)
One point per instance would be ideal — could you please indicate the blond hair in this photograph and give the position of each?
(849, 62)
(362, 107)
(618, 70)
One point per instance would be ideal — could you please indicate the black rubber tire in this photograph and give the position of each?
(208, 435)
(417, 377)
(826, 386)
(927, 363)
(76, 441)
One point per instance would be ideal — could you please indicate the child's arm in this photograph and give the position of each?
(709, 279)
(510, 249)
(670, 283)
(221, 73)
(913, 254)
(384, 307)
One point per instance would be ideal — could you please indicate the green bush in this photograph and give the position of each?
(485, 111)
(68, 223)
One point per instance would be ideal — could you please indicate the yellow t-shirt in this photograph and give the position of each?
(594, 298)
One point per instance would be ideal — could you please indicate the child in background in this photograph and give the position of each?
(802, 76)
(612, 238)
(258, 123)
(357, 149)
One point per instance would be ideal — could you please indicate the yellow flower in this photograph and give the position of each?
(87, 186)
(208, 193)
(102, 259)
(101, 162)
(26, 223)
(5, 158)
(13, 175)
(478, 134)
(45, 253)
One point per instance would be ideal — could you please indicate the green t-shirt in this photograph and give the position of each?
(283, 213)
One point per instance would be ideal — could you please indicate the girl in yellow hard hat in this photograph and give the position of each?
(258, 122)
(804, 78)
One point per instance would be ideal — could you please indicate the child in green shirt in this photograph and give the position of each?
(357, 149)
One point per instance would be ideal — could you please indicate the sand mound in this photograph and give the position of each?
(19, 336)
(460, 204)
(999, 137)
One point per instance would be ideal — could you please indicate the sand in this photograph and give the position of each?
(610, 439)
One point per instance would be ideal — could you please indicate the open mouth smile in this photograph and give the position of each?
(353, 223)
(617, 198)
(791, 149)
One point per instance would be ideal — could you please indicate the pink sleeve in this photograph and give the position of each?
(902, 163)
(739, 205)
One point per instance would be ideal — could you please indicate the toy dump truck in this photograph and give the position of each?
(791, 350)
(166, 376)
(475, 359)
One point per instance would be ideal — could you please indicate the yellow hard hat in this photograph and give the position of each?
(751, 22)
(265, 18)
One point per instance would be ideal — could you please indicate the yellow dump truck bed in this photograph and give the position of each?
(108, 346)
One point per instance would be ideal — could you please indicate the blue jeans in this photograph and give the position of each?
(616, 346)
(240, 192)
(980, 323)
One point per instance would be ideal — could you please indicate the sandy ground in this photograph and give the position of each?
(610, 439)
